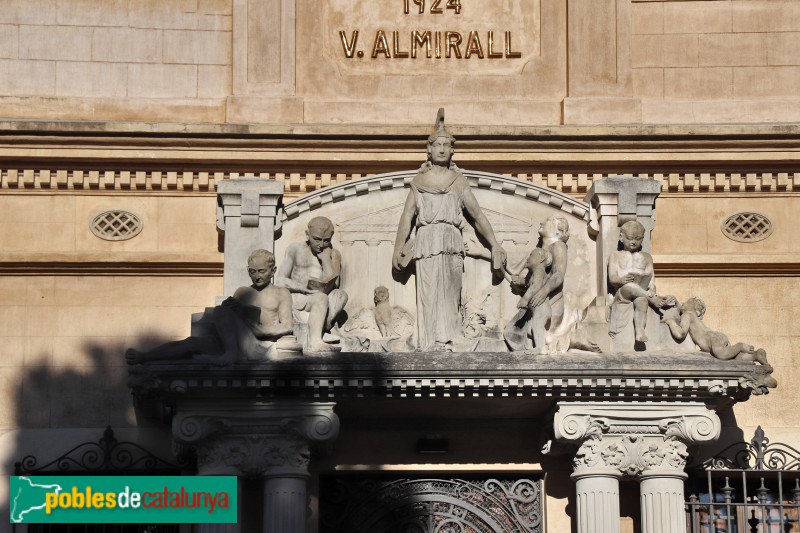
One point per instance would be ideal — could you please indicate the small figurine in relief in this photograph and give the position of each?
(390, 319)
(630, 272)
(311, 272)
(246, 325)
(439, 198)
(542, 304)
(708, 340)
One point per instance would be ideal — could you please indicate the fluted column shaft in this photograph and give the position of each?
(661, 497)
(285, 504)
(597, 500)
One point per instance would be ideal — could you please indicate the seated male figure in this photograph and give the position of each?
(311, 272)
(245, 324)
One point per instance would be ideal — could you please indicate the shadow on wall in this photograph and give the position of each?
(58, 408)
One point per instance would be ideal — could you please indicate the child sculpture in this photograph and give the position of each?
(630, 272)
(708, 340)
(543, 300)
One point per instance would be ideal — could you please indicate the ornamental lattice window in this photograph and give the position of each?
(116, 225)
(747, 226)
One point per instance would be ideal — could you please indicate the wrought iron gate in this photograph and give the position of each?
(468, 504)
(748, 488)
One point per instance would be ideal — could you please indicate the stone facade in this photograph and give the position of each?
(153, 107)
(568, 62)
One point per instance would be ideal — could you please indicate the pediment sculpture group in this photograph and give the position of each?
(298, 308)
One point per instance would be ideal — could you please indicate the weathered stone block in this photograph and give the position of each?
(176, 14)
(127, 45)
(697, 17)
(766, 82)
(782, 48)
(648, 82)
(9, 40)
(765, 15)
(74, 78)
(662, 112)
(587, 110)
(162, 81)
(28, 12)
(215, 7)
(647, 51)
(647, 18)
(693, 83)
(55, 42)
(681, 50)
(90, 13)
(739, 49)
(197, 47)
(265, 110)
(213, 81)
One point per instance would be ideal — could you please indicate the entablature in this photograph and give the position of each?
(577, 376)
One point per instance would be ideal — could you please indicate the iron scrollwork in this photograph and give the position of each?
(758, 454)
(105, 455)
(426, 505)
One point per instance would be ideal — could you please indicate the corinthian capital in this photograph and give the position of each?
(633, 437)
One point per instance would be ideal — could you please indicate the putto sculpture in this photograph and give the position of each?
(541, 306)
(245, 326)
(630, 272)
(435, 208)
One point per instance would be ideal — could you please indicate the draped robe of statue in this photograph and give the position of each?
(439, 257)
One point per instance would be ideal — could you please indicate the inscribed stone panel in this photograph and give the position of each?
(451, 37)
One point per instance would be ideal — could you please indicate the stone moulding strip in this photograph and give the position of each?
(468, 375)
(750, 270)
(299, 183)
(111, 268)
(400, 180)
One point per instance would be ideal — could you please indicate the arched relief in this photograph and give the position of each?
(366, 212)
(394, 180)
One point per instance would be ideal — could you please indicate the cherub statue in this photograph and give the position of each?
(543, 300)
(708, 340)
(630, 272)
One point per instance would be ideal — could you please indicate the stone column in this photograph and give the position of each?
(642, 440)
(661, 497)
(270, 441)
(247, 209)
(597, 500)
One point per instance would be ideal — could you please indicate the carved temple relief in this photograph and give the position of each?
(366, 214)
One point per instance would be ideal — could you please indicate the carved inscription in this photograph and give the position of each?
(438, 44)
(416, 35)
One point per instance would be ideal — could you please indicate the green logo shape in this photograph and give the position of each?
(123, 499)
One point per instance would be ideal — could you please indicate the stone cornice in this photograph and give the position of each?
(421, 131)
(654, 377)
